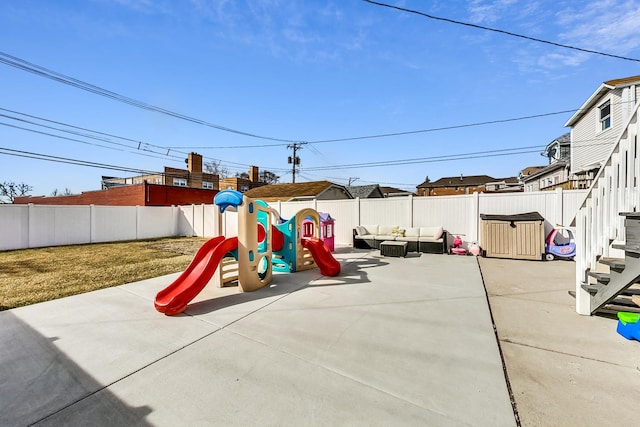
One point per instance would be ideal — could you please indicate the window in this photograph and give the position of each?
(207, 185)
(157, 180)
(605, 115)
(137, 181)
(180, 182)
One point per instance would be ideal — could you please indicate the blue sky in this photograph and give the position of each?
(302, 71)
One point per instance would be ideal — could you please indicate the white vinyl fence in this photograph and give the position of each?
(459, 215)
(28, 226)
(32, 226)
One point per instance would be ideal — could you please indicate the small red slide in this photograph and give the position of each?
(328, 265)
(175, 297)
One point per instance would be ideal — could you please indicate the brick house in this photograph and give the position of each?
(192, 177)
(242, 184)
(144, 194)
(460, 185)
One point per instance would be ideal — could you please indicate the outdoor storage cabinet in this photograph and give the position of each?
(519, 236)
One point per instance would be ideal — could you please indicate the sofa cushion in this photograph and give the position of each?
(412, 232)
(360, 230)
(407, 239)
(370, 229)
(383, 237)
(431, 232)
(385, 230)
(430, 239)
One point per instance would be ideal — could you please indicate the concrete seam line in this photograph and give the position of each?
(504, 366)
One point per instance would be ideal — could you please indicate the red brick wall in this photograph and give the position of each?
(166, 195)
(129, 195)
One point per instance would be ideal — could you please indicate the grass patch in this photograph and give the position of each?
(29, 276)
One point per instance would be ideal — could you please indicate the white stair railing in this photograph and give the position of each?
(598, 221)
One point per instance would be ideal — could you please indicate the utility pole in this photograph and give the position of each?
(294, 160)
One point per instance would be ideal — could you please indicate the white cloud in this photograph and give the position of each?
(605, 25)
(488, 12)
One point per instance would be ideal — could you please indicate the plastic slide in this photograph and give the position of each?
(328, 265)
(175, 297)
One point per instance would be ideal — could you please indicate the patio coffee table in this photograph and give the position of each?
(393, 248)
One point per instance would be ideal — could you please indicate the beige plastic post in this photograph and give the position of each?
(304, 259)
(254, 269)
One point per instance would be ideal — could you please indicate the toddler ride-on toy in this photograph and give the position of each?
(560, 243)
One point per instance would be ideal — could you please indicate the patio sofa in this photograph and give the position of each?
(419, 239)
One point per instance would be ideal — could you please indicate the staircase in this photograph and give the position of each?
(608, 231)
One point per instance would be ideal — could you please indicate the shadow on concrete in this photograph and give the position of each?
(40, 385)
(353, 272)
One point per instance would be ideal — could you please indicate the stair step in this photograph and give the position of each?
(624, 300)
(615, 263)
(603, 278)
(635, 249)
(630, 214)
(615, 308)
(592, 289)
(631, 291)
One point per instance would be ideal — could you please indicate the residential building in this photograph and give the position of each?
(598, 124)
(448, 186)
(395, 192)
(242, 184)
(366, 191)
(192, 177)
(321, 190)
(504, 185)
(144, 194)
(556, 174)
(529, 170)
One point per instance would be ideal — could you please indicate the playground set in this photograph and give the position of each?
(265, 243)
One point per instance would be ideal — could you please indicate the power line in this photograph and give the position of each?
(433, 159)
(467, 125)
(462, 156)
(77, 140)
(141, 148)
(452, 21)
(56, 159)
(21, 64)
(53, 75)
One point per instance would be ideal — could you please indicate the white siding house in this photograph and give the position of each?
(598, 124)
(557, 173)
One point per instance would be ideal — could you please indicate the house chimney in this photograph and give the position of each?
(254, 175)
(194, 163)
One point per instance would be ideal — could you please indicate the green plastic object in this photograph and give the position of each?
(626, 317)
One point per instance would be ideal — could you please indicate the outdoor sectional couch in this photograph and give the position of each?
(419, 239)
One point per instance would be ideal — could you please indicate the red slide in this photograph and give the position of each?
(175, 297)
(328, 265)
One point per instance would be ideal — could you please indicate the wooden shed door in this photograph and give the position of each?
(498, 239)
(522, 240)
(528, 242)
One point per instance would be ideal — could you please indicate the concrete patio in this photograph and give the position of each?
(391, 341)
